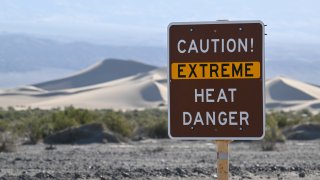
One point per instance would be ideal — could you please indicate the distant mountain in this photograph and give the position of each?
(27, 53)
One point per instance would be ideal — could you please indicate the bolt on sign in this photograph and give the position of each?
(216, 80)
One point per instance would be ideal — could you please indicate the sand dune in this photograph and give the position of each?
(291, 95)
(141, 87)
(117, 84)
(285, 89)
(129, 93)
(104, 71)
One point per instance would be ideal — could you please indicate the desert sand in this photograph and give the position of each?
(291, 95)
(110, 84)
(128, 85)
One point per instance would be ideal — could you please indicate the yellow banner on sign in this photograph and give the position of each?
(216, 70)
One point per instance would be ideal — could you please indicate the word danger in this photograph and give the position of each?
(215, 45)
(222, 118)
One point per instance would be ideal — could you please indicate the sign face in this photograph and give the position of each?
(216, 80)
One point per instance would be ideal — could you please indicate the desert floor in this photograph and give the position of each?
(161, 159)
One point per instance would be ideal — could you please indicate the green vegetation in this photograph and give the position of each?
(116, 122)
(36, 124)
(273, 133)
(277, 121)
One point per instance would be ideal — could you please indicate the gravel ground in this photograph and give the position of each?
(161, 159)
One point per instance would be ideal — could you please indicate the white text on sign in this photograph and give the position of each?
(215, 45)
(211, 95)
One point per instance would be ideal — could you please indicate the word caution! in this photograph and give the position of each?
(215, 45)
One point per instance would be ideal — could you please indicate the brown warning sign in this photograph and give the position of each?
(216, 80)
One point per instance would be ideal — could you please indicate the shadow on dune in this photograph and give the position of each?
(104, 71)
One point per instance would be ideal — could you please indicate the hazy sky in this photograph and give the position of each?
(293, 26)
(144, 22)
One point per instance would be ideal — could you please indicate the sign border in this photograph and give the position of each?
(263, 78)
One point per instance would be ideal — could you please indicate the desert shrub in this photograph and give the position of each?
(273, 134)
(281, 119)
(150, 123)
(81, 116)
(299, 117)
(3, 125)
(315, 118)
(158, 129)
(145, 117)
(285, 119)
(59, 121)
(33, 130)
(115, 122)
(37, 125)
